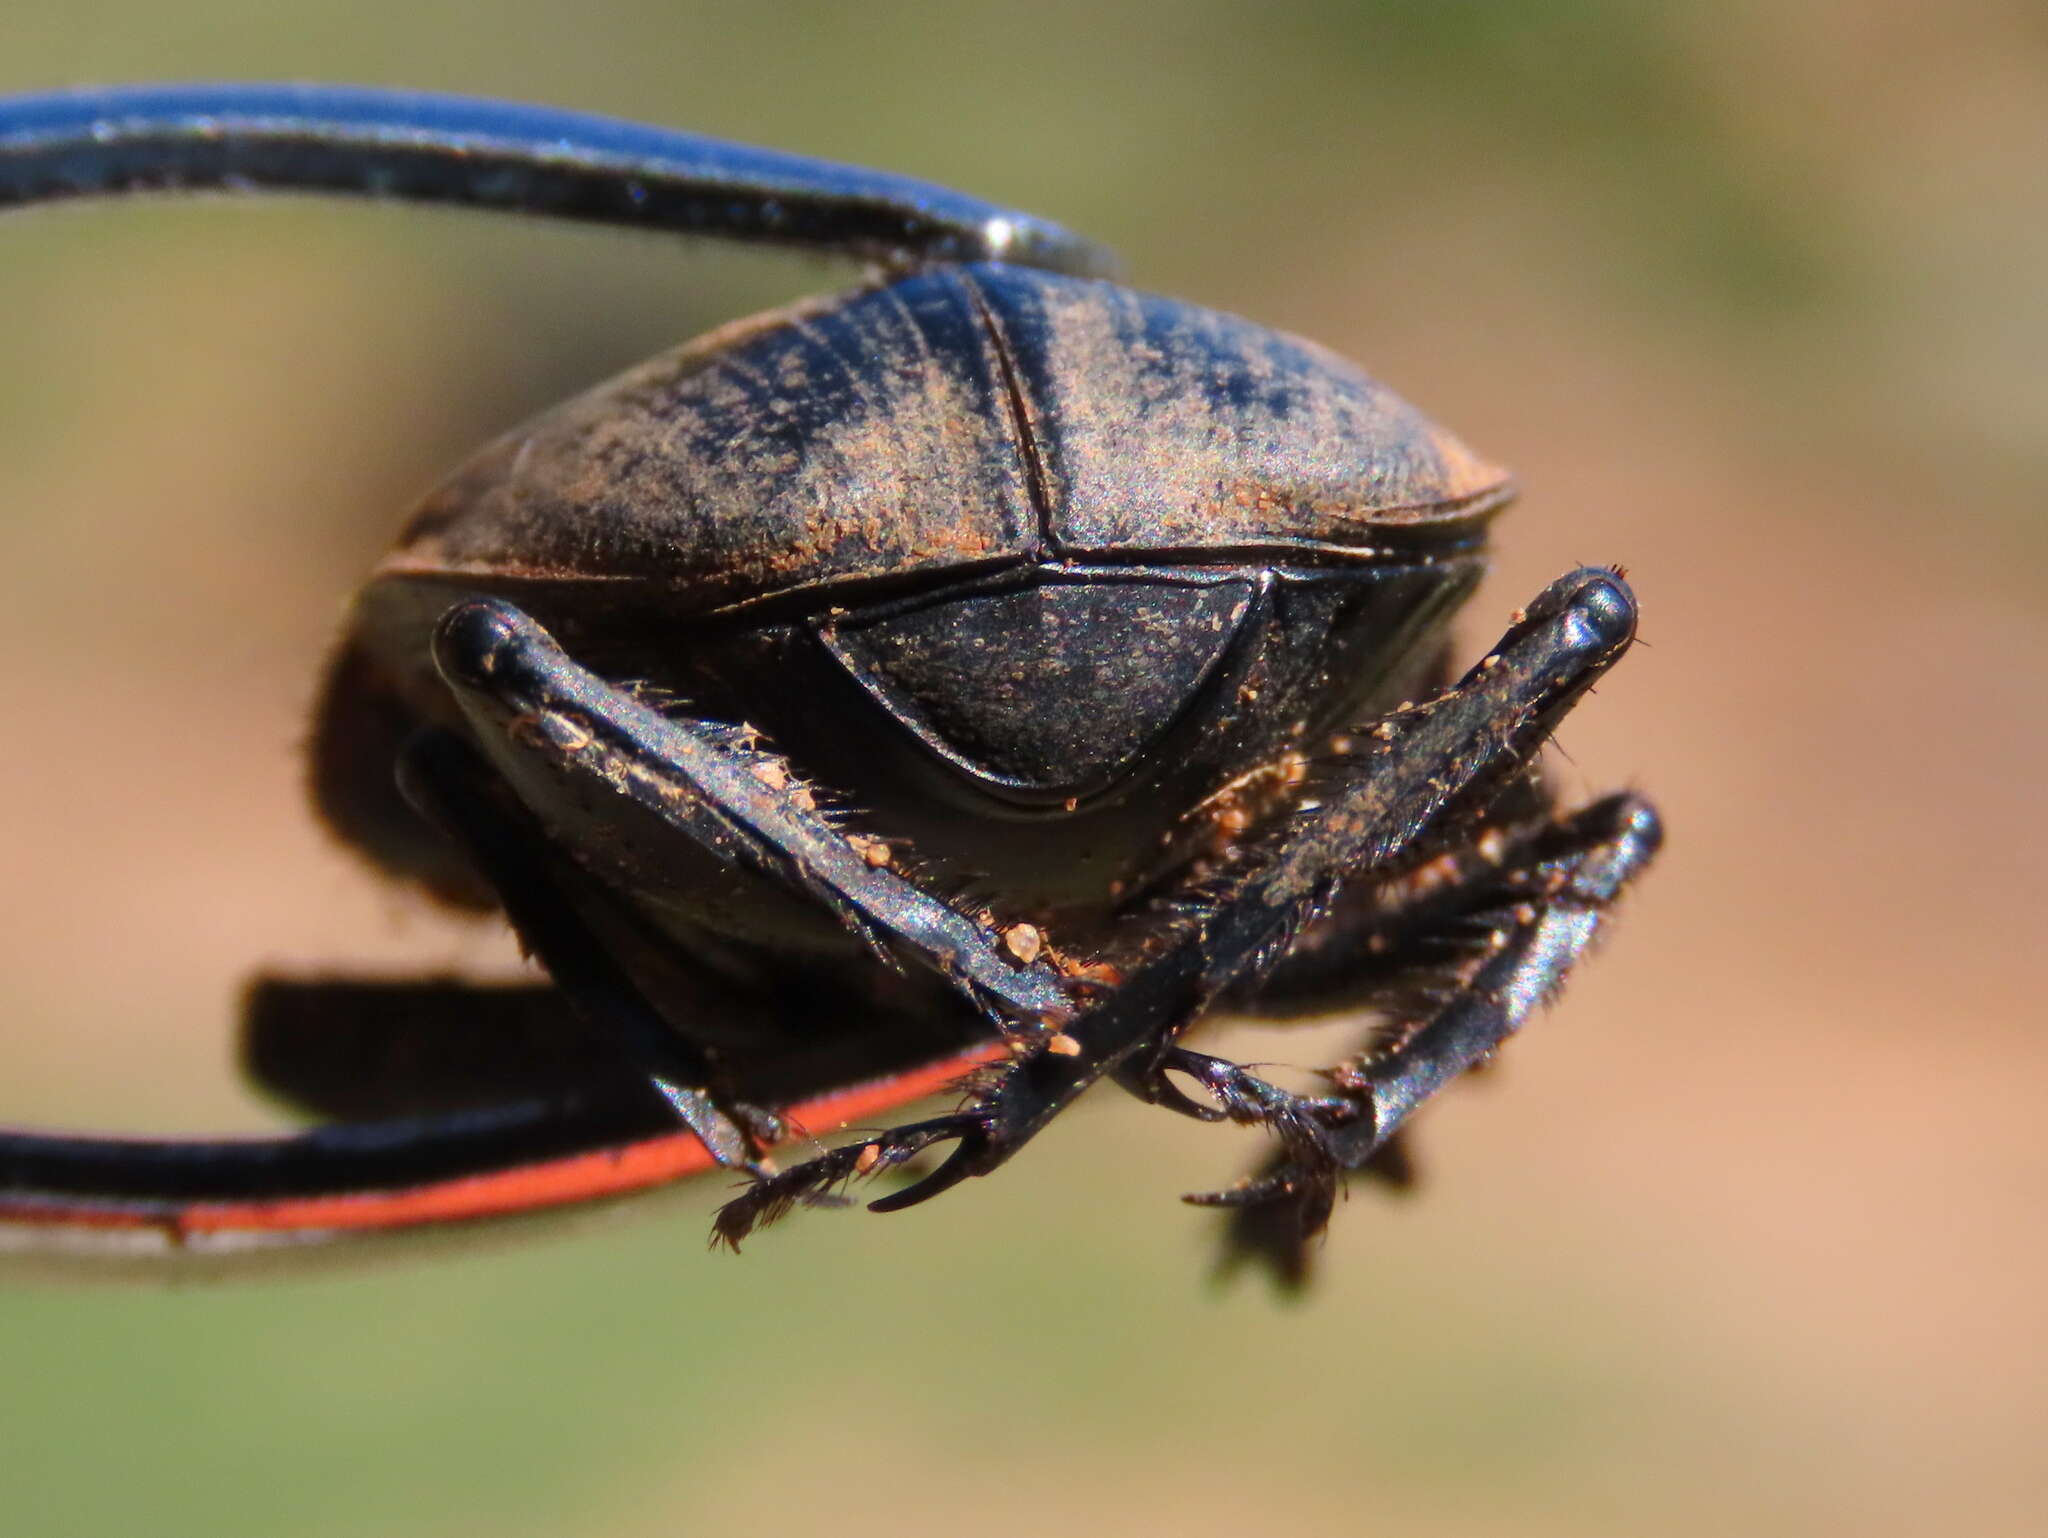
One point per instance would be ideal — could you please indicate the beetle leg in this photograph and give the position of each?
(547, 722)
(1378, 946)
(453, 788)
(1520, 936)
(1375, 935)
(816, 1181)
(1426, 769)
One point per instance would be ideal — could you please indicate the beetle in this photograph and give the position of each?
(976, 678)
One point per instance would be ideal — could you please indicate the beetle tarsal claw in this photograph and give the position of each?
(1276, 1217)
(814, 1183)
(1306, 1126)
(1283, 1180)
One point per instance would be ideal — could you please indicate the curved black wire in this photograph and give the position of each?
(69, 1171)
(128, 140)
(427, 148)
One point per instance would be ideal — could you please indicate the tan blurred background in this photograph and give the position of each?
(1745, 1237)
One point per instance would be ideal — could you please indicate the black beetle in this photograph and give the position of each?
(989, 666)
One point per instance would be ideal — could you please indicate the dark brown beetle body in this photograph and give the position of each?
(1094, 553)
(993, 667)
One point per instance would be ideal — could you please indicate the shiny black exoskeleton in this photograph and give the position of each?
(990, 651)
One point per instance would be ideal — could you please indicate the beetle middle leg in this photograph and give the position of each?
(555, 732)
(1468, 954)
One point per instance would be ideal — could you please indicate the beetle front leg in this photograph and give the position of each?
(553, 728)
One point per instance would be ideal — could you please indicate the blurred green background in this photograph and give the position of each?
(1747, 1236)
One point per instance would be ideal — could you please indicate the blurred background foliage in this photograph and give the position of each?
(1747, 1236)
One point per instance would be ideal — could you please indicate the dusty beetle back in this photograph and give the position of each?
(989, 500)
